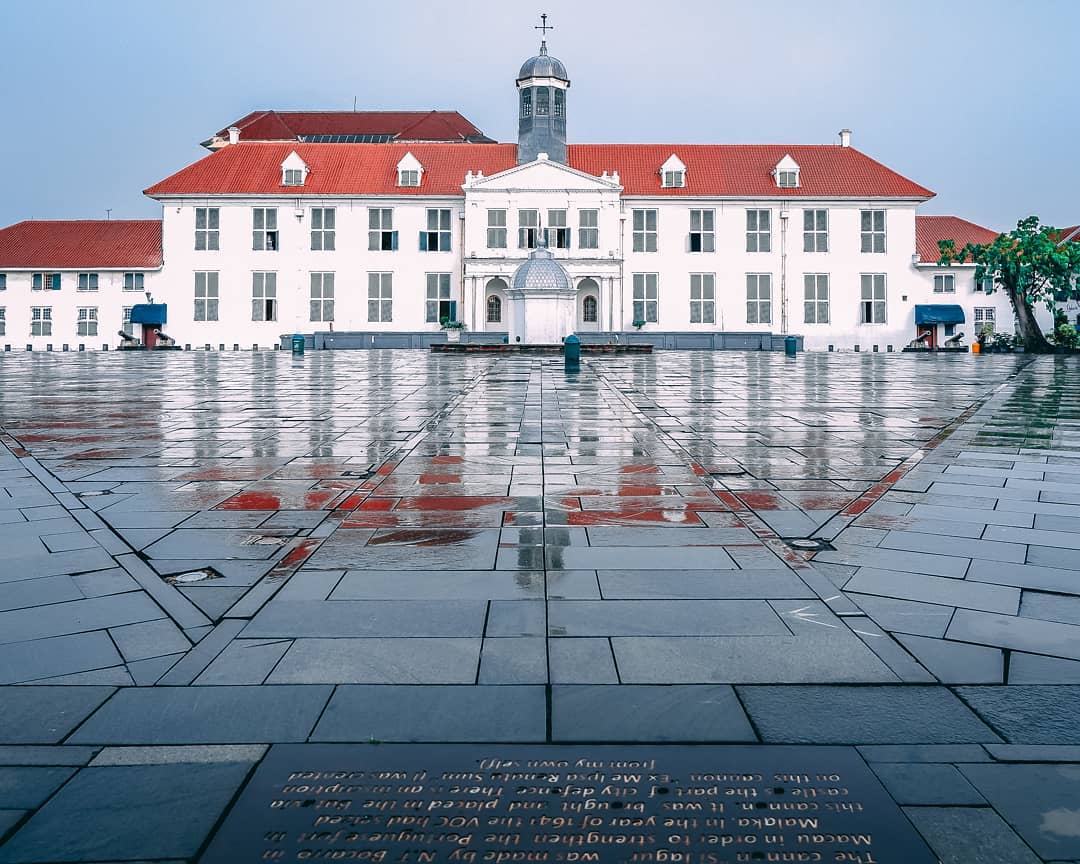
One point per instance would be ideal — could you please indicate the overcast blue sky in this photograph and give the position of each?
(974, 98)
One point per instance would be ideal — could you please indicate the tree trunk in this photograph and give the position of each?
(1034, 341)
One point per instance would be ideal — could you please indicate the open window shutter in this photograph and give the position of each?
(394, 243)
(56, 281)
(453, 310)
(444, 241)
(423, 241)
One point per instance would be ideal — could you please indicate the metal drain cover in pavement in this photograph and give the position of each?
(193, 577)
(258, 540)
(808, 544)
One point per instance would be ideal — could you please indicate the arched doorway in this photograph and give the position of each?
(495, 312)
(588, 306)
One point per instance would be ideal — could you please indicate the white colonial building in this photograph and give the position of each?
(376, 229)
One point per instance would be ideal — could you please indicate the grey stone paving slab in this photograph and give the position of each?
(245, 661)
(1038, 801)
(37, 592)
(105, 582)
(663, 618)
(1034, 536)
(1026, 576)
(1051, 607)
(459, 585)
(1034, 752)
(408, 549)
(1029, 714)
(964, 835)
(516, 618)
(639, 558)
(937, 544)
(45, 715)
(936, 590)
(214, 602)
(701, 584)
(42, 755)
(644, 713)
(905, 667)
(434, 713)
(180, 609)
(76, 617)
(356, 618)
(207, 754)
(514, 661)
(862, 715)
(1053, 556)
(1031, 635)
(892, 559)
(926, 752)
(1037, 669)
(149, 639)
(673, 536)
(205, 715)
(582, 661)
(149, 671)
(957, 662)
(379, 661)
(35, 565)
(191, 665)
(92, 817)
(831, 655)
(27, 788)
(977, 515)
(9, 819)
(927, 784)
(21, 662)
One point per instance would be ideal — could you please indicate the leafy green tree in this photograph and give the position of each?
(1031, 264)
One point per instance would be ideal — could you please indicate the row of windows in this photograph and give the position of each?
(436, 237)
(41, 321)
(84, 281)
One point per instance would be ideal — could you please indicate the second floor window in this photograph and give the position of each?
(588, 229)
(816, 298)
(759, 231)
(264, 296)
(558, 235)
(758, 298)
(322, 297)
(3, 321)
(644, 239)
(45, 282)
(3, 281)
(646, 297)
(496, 230)
(88, 281)
(323, 229)
(528, 226)
(87, 322)
(264, 236)
(944, 283)
(815, 235)
(206, 296)
(134, 281)
(437, 236)
(872, 230)
(702, 231)
(380, 292)
(381, 234)
(702, 298)
(207, 229)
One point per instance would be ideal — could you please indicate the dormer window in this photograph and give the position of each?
(786, 173)
(409, 171)
(294, 170)
(673, 173)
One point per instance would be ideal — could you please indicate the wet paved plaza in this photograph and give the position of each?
(204, 554)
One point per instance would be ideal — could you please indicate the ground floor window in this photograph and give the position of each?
(264, 296)
(646, 297)
(438, 304)
(322, 296)
(494, 309)
(41, 321)
(87, 322)
(985, 318)
(206, 296)
(758, 298)
(873, 298)
(380, 292)
(816, 298)
(3, 321)
(702, 298)
(589, 310)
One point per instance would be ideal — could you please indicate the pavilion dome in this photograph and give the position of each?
(543, 66)
(541, 272)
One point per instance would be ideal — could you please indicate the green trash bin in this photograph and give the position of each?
(572, 349)
(297, 344)
(791, 346)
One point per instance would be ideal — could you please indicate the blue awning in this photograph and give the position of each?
(152, 313)
(939, 313)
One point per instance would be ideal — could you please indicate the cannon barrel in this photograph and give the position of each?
(127, 337)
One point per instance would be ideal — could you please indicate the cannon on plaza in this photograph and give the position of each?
(164, 340)
(955, 341)
(920, 341)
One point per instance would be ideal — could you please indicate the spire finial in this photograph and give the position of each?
(543, 28)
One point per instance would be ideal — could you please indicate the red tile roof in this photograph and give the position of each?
(722, 170)
(930, 229)
(405, 125)
(110, 244)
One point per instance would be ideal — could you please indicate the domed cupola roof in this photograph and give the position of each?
(543, 66)
(541, 272)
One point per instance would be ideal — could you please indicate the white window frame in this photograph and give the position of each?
(408, 177)
(815, 230)
(702, 298)
(86, 322)
(673, 179)
(380, 298)
(134, 281)
(493, 309)
(759, 298)
(88, 282)
(816, 298)
(207, 294)
(45, 282)
(3, 281)
(208, 233)
(496, 228)
(528, 228)
(646, 297)
(292, 177)
(873, 231)
(381, 234)
(702, 231)
(438, 237)
(873, 298)
(264, 304)
(984, 315)
(264, 230)
(944, 283)
(41, 320)
(588, 229)
(321, 297)
(556, 232)
(645, 230)
(323, 229)
(758, 238)
(439, 291)
(3, 321)
(787, 178)
(590, 311)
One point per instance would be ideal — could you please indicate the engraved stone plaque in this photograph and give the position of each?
(502, 803)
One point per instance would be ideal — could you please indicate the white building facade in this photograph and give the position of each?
(384, 244)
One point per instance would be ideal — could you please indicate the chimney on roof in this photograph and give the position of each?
(845, 137)
(234, 135)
